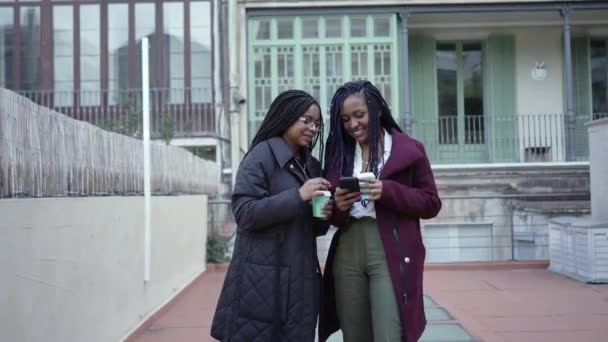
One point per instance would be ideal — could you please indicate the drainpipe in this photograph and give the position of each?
(235, 97)
(570, 115)
(406, 111)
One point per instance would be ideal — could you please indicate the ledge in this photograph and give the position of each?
(499, 265)
(510, 166)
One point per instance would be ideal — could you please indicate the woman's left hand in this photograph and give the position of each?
(372, 188)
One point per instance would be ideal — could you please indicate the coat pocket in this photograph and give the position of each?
(259, 294)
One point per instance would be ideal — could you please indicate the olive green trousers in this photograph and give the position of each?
(365, 299)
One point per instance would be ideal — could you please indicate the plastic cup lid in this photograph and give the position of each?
(367, 175)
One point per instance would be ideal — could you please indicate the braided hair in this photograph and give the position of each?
(340, 150)
(286, 109)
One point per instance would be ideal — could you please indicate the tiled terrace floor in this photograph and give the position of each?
(461, 305)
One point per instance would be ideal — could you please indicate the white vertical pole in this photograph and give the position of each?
(145, 82)
(235, 130)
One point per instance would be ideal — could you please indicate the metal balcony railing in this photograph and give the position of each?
(173, 112)
(501, 138)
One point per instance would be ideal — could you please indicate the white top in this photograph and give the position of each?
(358, 210)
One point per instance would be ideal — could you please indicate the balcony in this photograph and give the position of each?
(521, 138)
(174, 113)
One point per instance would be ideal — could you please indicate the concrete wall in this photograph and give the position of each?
(495, 193)
(71, 269)
(517, 200)
(598, 156)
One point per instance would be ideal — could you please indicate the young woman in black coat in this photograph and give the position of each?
(271, 290)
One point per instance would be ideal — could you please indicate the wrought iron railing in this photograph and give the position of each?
(173, 112)
(498, 138)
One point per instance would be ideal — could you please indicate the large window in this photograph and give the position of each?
(460, 93)
(318, 54)
(599, 78)
(90, 55)
(6, 47)
(144, 27)
(79, 50)
(63, 52)
(30, 48)
(200, 49)
(173, 36)
(118, 51)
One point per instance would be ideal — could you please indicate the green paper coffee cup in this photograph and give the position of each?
(319, 202)
(366, 175)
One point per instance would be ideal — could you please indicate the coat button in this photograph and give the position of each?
(291, 166)
(407, 260)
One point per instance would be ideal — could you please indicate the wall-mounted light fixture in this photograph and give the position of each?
(539, 71)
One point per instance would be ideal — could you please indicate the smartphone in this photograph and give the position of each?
(350, 183)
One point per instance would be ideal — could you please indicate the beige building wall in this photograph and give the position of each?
(542, 45)
(72, 269)
(541, 102)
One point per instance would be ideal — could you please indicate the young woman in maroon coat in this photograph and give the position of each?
(373, 275)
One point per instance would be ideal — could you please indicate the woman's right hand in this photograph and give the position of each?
(345, 199)
(312, 187)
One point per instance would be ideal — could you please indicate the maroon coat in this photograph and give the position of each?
(408, 194)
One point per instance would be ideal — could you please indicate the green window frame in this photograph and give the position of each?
(461, 120)
(318, 54)
(464, 122)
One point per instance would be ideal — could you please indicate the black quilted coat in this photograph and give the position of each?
(271, 290)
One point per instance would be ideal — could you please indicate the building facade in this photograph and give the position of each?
(84, 59)
(498, 92)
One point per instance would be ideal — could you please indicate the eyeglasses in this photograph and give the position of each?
(308, 121)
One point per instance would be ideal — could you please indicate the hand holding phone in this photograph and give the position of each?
(347, 193)
(349, 183)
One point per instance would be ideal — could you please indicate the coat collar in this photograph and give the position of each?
(404, 152)
(284, 156)
(281, 150)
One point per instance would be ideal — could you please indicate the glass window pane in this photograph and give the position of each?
(144, 27)
(90, 55)
(285, 28)
(201, 90)
(358, 27)
(261, 29)
(599, 78)
(173, 35)
(358, 61)
(310, 28)
(200, 34)
(334, 73)
(333, 27)
(473, 93)
(382, 26)
(63, 52)
(6, 47)
(118, 50)
(30, 48)
(311, 70)
(447, 93)
(286, 79)
(382, 70)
